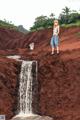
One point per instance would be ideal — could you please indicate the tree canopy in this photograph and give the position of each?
(67, 16)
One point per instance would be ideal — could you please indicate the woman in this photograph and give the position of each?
(55, 37)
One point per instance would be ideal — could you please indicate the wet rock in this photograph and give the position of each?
(33, 118)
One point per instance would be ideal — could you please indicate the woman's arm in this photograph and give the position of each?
(58, 29)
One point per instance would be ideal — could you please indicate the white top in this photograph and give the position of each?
(56, 30)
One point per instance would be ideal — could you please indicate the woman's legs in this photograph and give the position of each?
(57, 44)
(52, 45)
(57, 48)
(52, 50)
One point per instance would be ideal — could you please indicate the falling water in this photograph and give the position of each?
(25, 89)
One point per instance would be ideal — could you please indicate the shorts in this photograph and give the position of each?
(54, 41)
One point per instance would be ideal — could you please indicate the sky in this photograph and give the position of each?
(24, 12)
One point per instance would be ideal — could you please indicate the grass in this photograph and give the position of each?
(77, 23)
(4, 24)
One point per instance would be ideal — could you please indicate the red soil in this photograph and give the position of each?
(8, 86)
(58, 75)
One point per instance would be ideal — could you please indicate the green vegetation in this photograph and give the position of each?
(10, 25)
(77, 23)
(42, 22)
(67, 18)
(6, 24)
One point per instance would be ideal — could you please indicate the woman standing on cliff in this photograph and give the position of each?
(55, 37)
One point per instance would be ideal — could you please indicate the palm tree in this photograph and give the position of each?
(66, 11)
(52, 15)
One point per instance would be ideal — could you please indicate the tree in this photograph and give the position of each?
(64, 16)
(67, 16)
(74, 16)
(66, 11)
(40, 21)
(52, 16)
(43, 22)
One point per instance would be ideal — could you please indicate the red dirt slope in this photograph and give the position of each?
(9, 38)
(58, 75)
(9, 72)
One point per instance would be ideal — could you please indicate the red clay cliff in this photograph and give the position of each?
(58, 75)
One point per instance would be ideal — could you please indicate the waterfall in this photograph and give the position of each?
(25, 88)
(28, 92)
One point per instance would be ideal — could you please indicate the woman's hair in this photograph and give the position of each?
(55, 21)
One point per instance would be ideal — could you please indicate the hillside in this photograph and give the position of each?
(9, 25)
(22, 29)
(58, 75)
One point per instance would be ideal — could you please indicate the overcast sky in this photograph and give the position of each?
(24, 12)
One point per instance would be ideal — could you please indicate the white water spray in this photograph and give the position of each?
(25, 89)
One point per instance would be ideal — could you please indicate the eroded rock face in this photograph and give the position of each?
(9, 71)
(58, 75)
(59, 88)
